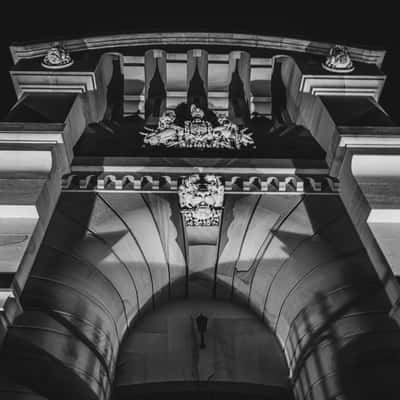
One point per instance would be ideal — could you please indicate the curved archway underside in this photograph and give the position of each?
(294, 260)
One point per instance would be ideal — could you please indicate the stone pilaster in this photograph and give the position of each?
(33, 158)
(362, 149)
(30, 177)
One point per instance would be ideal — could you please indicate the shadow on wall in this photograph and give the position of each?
(61, 345)
(302, 267)
(343, 342)
(157, 95)
(330, 347)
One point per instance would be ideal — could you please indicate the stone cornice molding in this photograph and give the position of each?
(369, 136)
(53, 81)
(31, 132)
(267, 184)
(378, 176)
(27, 51)
(359, 139)
(37, 79)
(343, 85)
(32, 149)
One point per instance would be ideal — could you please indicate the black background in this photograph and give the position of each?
(369, 25)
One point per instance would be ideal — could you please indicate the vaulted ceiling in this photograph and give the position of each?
(109, 258)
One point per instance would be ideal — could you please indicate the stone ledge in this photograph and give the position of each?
(342, 85)
(53, 81)
(233, 184)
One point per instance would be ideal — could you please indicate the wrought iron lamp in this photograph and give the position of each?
(201, 322)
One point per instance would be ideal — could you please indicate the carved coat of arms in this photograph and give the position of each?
(197, 133)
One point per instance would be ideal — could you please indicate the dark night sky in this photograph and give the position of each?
(378, 28)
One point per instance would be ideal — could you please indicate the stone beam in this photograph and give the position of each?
(89, 75)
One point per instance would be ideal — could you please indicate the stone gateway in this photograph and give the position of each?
(198, 215)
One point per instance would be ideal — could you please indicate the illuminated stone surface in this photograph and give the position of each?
(101, 278)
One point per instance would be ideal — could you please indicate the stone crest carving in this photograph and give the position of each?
(338, 60)
(57, 57)
(201, 200)
(197, 133)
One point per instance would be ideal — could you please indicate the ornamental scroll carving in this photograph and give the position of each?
(201, 199)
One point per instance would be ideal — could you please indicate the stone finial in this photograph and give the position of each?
(338, 60)
(57, 57)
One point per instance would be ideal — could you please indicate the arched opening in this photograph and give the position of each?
(161, 352)
(109, 258)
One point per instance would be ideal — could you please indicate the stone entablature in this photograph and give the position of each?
(268, 184)
(282, 44)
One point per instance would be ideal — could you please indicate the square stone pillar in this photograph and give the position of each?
(36, 149)
(362, 147)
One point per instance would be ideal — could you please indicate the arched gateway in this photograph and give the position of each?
(150, 179)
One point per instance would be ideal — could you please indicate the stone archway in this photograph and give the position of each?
(161, 352)
(107, 258)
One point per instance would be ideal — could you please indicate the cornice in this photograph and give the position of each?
(267, 184)
(284, 44)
